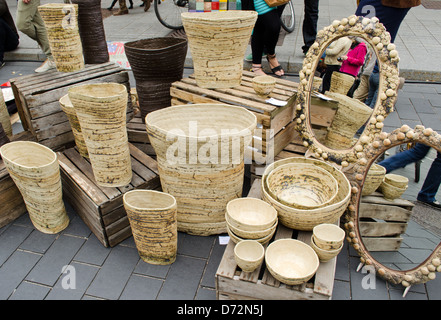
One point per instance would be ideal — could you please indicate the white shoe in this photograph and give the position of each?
(47, 65)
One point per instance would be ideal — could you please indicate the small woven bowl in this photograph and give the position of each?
(391, 192)
(323, 254)
(396, 180)
(264, 85)
(328, 236)
(249, 255)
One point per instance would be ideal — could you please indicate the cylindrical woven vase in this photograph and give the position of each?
(341, 82)
(71, 114)
(92, 34)
(152, 216)
(200, 154)
(156, 63)
(101, 111)
(218, 41)
(61, 21)
(5, 119)
(35, 170)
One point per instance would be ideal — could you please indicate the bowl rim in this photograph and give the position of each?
(327, 251)
(341, 232)
(260, 201)
(255, 243)
(233, 227)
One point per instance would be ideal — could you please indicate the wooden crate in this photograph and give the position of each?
(269, 117)
(12, 203)
(137, 135)
(101, 208)
(382, 222)
(233, 284)
(37, 99)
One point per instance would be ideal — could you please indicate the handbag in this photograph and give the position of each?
(276, 3)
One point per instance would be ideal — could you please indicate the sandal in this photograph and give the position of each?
(257, 69)
(277, 68)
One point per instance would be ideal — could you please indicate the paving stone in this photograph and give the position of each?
(422, 105)
(216, 255)
(406, 111)
(30, 291)
(433, 291)
(60, 254)
(206, 294)
(392, 120)
(157, 271)
(415, 255)
(76, 226)
(398, 295)
(38, 241)
(366, 286)
(342, 270)
(14, 270)
(431, 121)
(141, 288)
(195, 246)
(114, 274)
(92, 252)
(74, 282)
(341, 290)
(10, 239)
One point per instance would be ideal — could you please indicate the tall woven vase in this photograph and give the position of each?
(34, 169)
(5, 119)
(341, 82)
(200, 154)
(92, 34)
(61, 21)
(152, 216)
(218, 41)
(69, 110)
(101, 111)
(156, 63)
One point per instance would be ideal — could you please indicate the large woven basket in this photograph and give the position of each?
(71, 114)
(373, 180)
(350, 116)
(61, 21)
(101, 110)
(5, 119)
(153, 219)
(200, 154)
(218, 41)
(34, 169)
(341, 82)
(304, 219)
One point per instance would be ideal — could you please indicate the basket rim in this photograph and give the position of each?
(175, 42)
(144, 191)
(217, 16)
(12, 144)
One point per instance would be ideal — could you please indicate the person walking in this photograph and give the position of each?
(122, 8)
(334, 51)
(9, 37)
(115, 1)
(29, 22)
(309, 26)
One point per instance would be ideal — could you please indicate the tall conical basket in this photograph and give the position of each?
(153, 220)
(101, 111)
(34, 169)
(61, 21)
(341, 82)
(218, 41)
(71, 114)
(5, 119)
(156, 63)
(200, 153)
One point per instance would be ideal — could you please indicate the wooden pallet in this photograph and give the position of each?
(12, 204)
(382, 222)
(233, 284)
(269, 117)
(101, 208)
(37, 99)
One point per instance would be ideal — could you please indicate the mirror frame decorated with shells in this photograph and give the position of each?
(426, 270)
(387, 56)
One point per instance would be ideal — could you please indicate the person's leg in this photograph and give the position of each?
(257, 44)
(272, 24)
(431, 183)
(309, 27)
(122, 8)
(131, 4)
(402, 159)
(362, 91)
(326, 82)
(374, 80)
(112, 5)
(8, 39)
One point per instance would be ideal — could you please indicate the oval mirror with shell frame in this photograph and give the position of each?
(425, 271)
(375, 34)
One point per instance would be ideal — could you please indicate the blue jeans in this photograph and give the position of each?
(374, 80)
(433, 178)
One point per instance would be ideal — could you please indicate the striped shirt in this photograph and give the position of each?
(261, 7)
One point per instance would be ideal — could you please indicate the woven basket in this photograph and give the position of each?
(341, 82)
(101, 110)
(200, 154)
(156, 63)
(350, 116)
(3, 137)
(152, 216)
(61, 21)
(34, 169)
(304, 219)
(374, 178)
(391, 192)
(218, 41)
(68, 108)
(5, 120)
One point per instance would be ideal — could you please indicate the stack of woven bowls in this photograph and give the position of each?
(306, 215)
(250, 219)
(393, 186)
(327, 240)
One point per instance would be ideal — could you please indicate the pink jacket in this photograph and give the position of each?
(355, 60)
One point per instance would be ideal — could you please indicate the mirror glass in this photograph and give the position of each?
(341, 109)
(402, 232)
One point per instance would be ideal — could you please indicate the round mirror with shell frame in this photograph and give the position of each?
(426, 270)
(375, 34)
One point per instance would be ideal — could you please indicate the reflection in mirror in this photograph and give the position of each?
(399, 231)
(344, 71)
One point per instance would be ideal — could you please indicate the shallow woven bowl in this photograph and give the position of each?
(307, 219)
(264, 85)
(374, 178)
(249, 255)
(258, 234)
(328, 236)
(391, 192)
(396, 180)
(323, 254)
(250, 214)
(236, 239)
(291, 261)
(302, 186)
